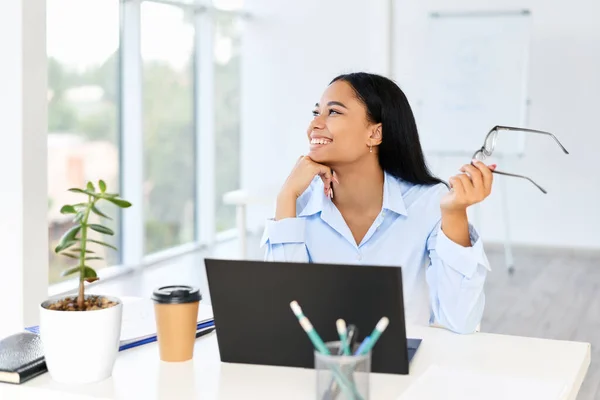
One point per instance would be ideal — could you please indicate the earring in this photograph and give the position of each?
(370, 148)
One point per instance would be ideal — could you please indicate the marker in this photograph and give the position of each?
(341, 328)
(362, 346)
(296, 309)
(314, 336)
(379, 329)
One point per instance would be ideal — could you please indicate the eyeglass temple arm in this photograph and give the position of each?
(512, 128)
(522, 177)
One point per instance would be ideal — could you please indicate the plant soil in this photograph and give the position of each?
(90, 303)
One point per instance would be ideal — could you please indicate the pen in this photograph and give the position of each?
(321, 348)
(362, 346)
(341, 328)
(379, 328)
(204, 332)
(333, 390)
(352, 336)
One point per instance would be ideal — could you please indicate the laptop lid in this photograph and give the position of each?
(255, 325)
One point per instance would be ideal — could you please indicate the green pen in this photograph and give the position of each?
(379, 328)
(342, 331)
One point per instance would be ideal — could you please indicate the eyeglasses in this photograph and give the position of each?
(490, 144)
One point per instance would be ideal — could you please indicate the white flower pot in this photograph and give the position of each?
(80, 346)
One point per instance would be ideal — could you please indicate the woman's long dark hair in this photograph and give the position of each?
(400, 152)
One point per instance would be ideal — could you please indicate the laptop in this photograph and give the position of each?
(255, 325)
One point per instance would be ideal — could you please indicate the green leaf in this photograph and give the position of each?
(88, 272)
(67, 209)
(102, 243)
(93, 258)
(90, 187)
(79, 217)
(89, 193)
(78, 250)
(66, 245)
(69, 271)
(68, 236)
(75, 256)
(96, 211)
(102, 185)
(120, 202)
(107, 195)
(101, 229)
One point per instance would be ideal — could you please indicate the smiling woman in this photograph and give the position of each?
(388, 209)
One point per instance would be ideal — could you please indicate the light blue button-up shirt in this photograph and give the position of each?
(442, 280)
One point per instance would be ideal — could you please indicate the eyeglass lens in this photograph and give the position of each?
(479, 156)
(490, 141)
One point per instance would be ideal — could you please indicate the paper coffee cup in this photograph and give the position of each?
(176, 311)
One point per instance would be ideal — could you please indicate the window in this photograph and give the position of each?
(227, 107)
(83, 136)
(167, 43)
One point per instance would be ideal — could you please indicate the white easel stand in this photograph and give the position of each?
(508, 254)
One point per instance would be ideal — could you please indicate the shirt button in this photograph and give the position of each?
(359, 257)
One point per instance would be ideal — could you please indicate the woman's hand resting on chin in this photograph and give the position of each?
(297, 182)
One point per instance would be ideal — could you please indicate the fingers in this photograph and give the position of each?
(327, 184)
(475, 175)
(457, 186)
(324, 172)
(326, 176)
(486, 172)
(481, 176)
(467, 185)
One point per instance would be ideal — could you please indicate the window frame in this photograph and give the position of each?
(131, 146)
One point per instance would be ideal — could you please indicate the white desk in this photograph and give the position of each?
(139, 374)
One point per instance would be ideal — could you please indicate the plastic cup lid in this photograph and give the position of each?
(176, 294)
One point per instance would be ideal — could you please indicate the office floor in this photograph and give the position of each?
(553, 294)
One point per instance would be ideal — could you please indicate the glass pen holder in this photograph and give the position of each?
(342, 377)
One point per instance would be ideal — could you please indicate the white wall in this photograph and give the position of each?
(293, 49)
(23, 165)
(564, 90)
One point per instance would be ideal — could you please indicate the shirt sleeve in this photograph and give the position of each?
(285, 240)
(456, 277)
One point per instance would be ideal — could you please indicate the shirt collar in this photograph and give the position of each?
(392, 197)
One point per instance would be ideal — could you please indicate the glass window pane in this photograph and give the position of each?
(167, 43)
(83, 135)
(227, 107)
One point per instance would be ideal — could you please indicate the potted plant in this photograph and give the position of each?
(81, 334)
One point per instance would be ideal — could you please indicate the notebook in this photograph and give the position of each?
(440, 382)
(138, 325)
(21, 358)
